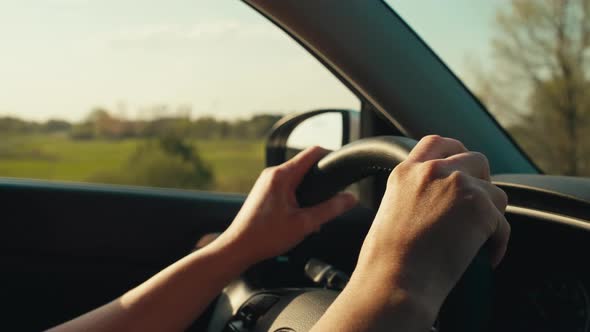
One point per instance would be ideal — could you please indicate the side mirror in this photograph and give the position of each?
(329, 128)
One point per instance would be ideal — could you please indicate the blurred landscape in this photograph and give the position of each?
(539, 81)
(178, 152)
(535, 82)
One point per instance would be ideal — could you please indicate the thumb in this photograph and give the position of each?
(323, 212)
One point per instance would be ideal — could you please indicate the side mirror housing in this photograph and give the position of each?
(329, 128)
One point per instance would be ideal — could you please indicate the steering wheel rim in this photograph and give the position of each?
(468, 306)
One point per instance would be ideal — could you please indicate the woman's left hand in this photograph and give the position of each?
(271, 222)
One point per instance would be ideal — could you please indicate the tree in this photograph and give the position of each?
(54, 125)
(14, 125)
(169, 161)
(540, 82)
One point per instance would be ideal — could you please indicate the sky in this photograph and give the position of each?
(459, 31)
(62, 58)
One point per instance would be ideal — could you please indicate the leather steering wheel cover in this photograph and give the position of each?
(351, 163)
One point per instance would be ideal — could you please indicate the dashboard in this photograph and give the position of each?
(543, 283)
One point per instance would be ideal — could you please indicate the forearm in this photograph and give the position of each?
(171, 299)
(374, 300)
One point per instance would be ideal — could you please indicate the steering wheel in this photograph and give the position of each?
(241, 308)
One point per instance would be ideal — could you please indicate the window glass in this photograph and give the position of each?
(176, 93)
(528, 61)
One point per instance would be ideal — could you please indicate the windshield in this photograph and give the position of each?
(528, 61)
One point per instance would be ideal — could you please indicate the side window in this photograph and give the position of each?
(179, 94)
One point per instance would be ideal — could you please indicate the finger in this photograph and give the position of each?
(498, 242)
(472, 163)
(320, 214)
(299, 165)
(436, 147)
(496, 195)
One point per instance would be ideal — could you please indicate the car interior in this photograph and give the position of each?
(68, 248)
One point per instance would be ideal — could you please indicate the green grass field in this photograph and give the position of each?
(235, 163)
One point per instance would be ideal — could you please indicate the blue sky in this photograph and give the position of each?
(61, 58)
(459, 31)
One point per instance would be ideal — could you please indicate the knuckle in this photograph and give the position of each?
(482, 157)
(399, 171)
(457, 143)
(394, 177)
(315, 148)
(483, 160)
(267, 171)
(431, 140)
(273, 174)
(431, 169)
(459, 183)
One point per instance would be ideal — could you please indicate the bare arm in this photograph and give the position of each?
(170, 300)
(173, 298)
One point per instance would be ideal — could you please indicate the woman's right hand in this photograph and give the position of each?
(437, 212)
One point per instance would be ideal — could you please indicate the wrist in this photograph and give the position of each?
(399, 284)
(383, 307)
(232, 253)
(247, 246)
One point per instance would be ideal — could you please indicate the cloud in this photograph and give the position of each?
(175, 35)
(68, 3)
(214, 29)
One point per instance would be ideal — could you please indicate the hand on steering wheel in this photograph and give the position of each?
(437, 212)
(271, 220)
